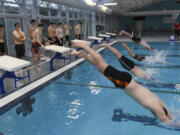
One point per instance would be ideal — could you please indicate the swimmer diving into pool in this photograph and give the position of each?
(133, 55)
(137, 40)
(128, 64)
(125, 81)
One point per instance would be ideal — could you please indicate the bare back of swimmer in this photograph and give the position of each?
(124, 80)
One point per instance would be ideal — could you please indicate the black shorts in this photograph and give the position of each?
(20, 50)
(58, 41)
(126, 63)
(136, 39)
(120, 79)
(52, 42)
(2, 48)
(62, 42)
(35, 47)
(139, 58)
(78, 36)
(67, 38)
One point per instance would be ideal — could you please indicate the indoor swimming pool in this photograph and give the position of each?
(72, 105)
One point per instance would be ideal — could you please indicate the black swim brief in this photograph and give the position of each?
(120, 79)
(165, 111)
(126, 63)
(20, 50)
(67, 38)
(139, 58)
(2, 47)
(136, 39)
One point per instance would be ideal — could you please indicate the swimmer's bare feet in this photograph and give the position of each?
(43, 56)
(105, 45)
(38, 68)
(80, 53)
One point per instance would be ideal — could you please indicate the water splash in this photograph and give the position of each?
(152, 73)
(157, 57)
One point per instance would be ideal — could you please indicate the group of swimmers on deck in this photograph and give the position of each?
(55, 36)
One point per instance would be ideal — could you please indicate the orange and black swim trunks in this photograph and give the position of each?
(120, 79)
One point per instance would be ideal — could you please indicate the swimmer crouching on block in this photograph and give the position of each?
(137, 40)
(125, 81)
(128, 64)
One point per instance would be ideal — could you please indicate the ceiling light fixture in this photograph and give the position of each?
(104, 8)
(90, 2)
(110, 4)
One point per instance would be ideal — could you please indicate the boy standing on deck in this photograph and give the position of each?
(19, 40)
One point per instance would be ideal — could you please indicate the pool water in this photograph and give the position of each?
(61, 109)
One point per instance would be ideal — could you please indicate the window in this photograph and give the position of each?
(43, 11)
(43, 4)
(11, 8)
(54, 12)
(11, 1)
(70, 14)
(54, 5)
(0, 7)
(63, 14)
(28, 2)
(75, 15)
(64, 8)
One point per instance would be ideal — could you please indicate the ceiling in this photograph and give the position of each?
(129, 5)
(123, 6)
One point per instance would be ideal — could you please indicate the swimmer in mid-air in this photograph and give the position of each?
(137, 40)
(128, 64)
(133, 55)
(125, 81)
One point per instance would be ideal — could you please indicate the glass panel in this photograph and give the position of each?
(11, 1)
(63, 14)
(43, 11)
(81, 16)
(64, 8)
(75, 15)
(2, 22)
(28, 10)
(54, 12)
(53, 5)
(71, 14)
(10, 25)
(0, 7)
(46, 24)
(43, 4)
(11, 8)
(28, 2)
(72, 32)
(90, 28)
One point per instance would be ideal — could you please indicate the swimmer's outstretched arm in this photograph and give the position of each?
(128, 49)
(113, 50)
(127, 34)
(146, 45)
